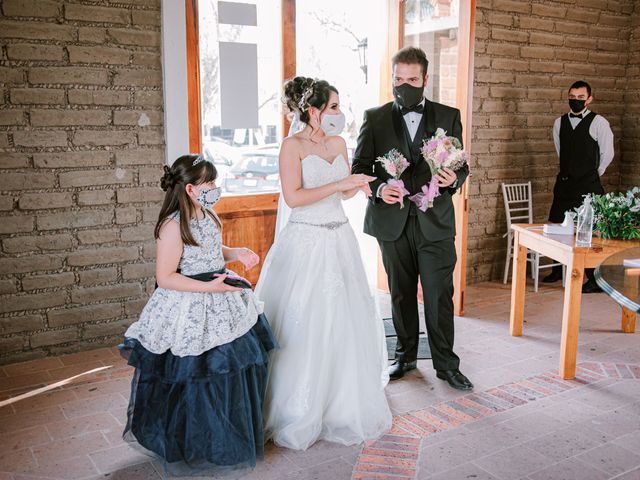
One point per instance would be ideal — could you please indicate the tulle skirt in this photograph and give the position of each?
(327, 379)
(201, 415)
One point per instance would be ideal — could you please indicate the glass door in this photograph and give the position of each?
(433, 26)
(343, 43)
(445, 29)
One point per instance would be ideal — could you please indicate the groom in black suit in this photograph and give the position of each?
(414, 244)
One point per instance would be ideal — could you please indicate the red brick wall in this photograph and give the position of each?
(526, 56)
(81, 150)
(630, 144)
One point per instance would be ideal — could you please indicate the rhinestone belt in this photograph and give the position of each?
(329, 226)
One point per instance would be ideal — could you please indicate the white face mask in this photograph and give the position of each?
(208, 197)
(333, 124)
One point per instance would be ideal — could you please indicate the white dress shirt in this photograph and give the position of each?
(599, 130)
(412, 121)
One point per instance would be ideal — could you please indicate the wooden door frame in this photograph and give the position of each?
(193, 76)
(234, 205)
(464, 101)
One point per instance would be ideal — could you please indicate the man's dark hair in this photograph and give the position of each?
(581, 84)
(411, 55)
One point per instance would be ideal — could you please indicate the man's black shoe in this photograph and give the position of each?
(455, 379)
(591, 287)
(554, 276)
(398, 369)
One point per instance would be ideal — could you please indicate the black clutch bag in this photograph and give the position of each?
(237, 281)
(232, 280)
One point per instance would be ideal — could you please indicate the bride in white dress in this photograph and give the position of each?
(327, 379)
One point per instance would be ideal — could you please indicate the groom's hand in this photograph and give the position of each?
(390, 194)
(446, 177)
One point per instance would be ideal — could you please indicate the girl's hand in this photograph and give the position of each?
(218, 285)
(247, 257)
(356, 180)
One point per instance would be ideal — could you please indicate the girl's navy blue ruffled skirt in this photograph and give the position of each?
(201, 414)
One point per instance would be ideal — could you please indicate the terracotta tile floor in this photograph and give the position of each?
(521, 421)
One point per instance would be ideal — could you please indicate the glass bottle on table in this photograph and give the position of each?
(584, 231)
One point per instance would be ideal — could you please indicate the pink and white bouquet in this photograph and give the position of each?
(395, 164)
(440, 151)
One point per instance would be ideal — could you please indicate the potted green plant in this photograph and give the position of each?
(617, 215)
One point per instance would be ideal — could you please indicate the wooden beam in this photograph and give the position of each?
(193, 77)
(243, 205)
(288, 49)
(395, 36)
(631, 280)
(464, 101)
(518, 283)
(571, 317)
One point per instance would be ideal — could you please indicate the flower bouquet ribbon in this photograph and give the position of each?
(394, 163)
(424, 199)
(440, 151)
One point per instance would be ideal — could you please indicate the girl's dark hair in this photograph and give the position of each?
(173, 182)
(301, 93)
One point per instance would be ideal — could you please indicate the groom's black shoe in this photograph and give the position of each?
(455, 379)
(591, 287)
(554, 276)
(398, 369)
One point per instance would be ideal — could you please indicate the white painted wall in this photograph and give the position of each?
(174, 71)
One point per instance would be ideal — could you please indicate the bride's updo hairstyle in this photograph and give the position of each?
(301, 93)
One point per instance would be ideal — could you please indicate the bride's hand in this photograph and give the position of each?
(367, 190)
(357, 180)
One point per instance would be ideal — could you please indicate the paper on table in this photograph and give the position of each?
(631, 262)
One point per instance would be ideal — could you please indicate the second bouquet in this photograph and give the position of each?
(440, 151)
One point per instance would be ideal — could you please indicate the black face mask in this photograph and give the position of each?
(407, 95)
(576, 105)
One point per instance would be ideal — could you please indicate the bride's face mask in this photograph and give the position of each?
(332, 120)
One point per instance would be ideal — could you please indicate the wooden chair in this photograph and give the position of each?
(518, 204)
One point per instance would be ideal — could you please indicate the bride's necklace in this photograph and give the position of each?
(317, 142)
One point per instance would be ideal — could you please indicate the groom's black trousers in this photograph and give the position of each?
(406, 259)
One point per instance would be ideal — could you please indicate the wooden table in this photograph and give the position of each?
(562, 249)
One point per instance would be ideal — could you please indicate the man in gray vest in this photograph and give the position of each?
(584, 143)
(414, 244)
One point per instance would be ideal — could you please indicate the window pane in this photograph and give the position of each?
(240, 79)
(433, 26)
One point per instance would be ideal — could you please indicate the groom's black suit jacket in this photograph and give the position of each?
(384, 128)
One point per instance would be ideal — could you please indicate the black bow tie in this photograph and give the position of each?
(575, 115)
(419, 108)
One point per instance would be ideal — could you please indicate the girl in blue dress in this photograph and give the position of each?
(200, 347)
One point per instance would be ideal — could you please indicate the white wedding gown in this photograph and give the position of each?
(327, 379)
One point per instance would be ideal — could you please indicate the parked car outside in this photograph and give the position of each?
(255, 172)
(222, 155)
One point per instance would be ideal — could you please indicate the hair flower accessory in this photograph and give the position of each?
(306, 94)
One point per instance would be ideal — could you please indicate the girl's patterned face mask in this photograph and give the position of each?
(208, 197)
